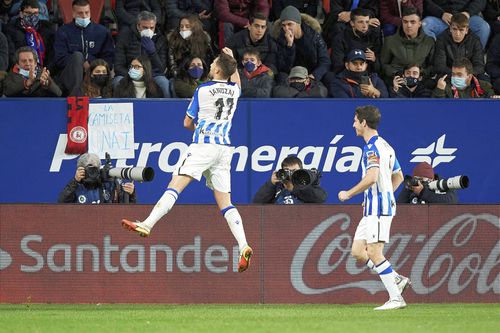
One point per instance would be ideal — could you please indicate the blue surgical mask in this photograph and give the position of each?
(195, 72)
(25, 73)
(250, 66)
(82, 22)
(459, 82)
(30, 20)
(135, 74)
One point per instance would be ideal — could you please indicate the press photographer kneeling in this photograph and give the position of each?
(291, 185)
(95, 185)
(426, 187)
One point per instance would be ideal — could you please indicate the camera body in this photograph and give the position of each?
(300, 177)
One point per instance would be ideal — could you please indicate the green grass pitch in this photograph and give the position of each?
(53, 318)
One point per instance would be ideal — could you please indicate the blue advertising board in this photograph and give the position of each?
(457, 137)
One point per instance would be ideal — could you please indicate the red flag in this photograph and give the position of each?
(78, 114)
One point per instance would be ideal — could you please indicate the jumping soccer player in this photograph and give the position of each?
(210, 153)
(381, 177)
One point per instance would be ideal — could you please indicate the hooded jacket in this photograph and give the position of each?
(310, 51)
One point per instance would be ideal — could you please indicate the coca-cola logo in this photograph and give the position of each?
(451, 256)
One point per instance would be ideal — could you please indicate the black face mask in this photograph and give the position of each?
(92, 176)
(411, 81)
(99, 79)
(362, 34)
(357, 75)
(300, 86)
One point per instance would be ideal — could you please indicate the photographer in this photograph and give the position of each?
(90, 187)
(281, 190)
(417, 191)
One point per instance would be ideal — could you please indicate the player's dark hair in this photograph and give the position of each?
(369, 113)
(291, 160)
(227, 65)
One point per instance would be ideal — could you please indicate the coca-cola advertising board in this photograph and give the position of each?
(80, 254)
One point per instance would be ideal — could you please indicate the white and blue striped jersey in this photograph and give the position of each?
(214, 104)
(379, 198)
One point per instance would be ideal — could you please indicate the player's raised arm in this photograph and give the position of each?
(236, 76)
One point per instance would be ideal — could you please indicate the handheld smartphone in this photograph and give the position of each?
(365, 80)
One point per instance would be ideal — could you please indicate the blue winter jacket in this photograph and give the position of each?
(94, 42)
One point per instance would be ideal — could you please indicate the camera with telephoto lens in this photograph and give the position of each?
(453, 183)
(300, 177)
(140, 174)
(442, 185)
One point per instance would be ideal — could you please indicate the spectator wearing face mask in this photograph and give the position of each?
(143, 39)
(355, 81)
(29, 30)
(409, 84)
(257, 79)
(463, 83)
(27, 79)
(77, 44)
(97, 80)
(189, 38)
(192, 74)
(139, 81)
(300, 85)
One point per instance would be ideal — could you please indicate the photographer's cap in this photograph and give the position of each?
(88, 159)
(356, 54)
(298, 72)
(423, 170)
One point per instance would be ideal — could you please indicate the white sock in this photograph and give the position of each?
(386, 274)
(235, 223)
(161, 208)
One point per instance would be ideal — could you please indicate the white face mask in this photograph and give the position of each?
(25, 73)
(82, 22)
(147, 33)
(185, 34)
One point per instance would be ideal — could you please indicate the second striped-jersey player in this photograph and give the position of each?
(379, 198)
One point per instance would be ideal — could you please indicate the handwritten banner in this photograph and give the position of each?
(111, 129)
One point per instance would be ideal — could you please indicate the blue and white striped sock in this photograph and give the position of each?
(386, 274)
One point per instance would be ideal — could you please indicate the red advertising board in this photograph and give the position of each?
(80, 254)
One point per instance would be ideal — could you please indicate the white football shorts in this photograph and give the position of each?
(374, 229)
(210, 160)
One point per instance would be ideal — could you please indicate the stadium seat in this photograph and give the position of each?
(64, 6)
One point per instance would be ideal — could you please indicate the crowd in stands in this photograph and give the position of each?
(284, 49)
